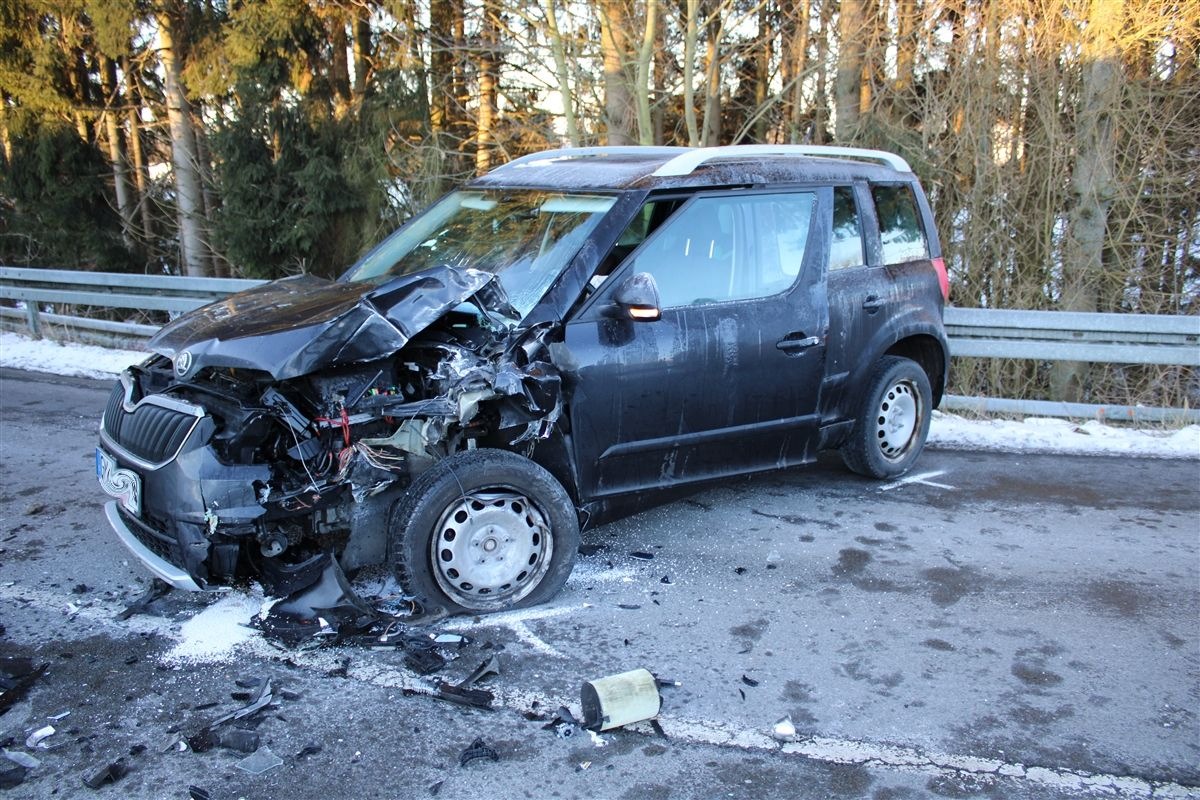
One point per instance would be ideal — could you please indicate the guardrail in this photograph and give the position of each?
(973, 332)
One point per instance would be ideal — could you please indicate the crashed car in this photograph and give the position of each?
(538, 352)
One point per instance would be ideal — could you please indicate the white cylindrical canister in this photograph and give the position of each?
(620, 699)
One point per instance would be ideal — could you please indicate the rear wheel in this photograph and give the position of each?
(893, 420)
(484, 530)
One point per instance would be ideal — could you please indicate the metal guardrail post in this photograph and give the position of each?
(34, 322)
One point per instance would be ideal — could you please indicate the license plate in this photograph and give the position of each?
(123, 484)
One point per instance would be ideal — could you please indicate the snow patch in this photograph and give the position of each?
(74, 360)
(1060, 436)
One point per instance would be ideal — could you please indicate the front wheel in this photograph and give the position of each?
(484, 530)
(893, 420)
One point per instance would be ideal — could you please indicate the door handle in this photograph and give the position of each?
(797, 341)
(873, 303)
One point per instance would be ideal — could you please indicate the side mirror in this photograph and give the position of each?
(637, 298)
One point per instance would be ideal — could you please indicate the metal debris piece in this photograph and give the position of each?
(141, 605)
(36, 738)
(264, 698)
(476, 751)
(260, 761)
(784, 730)
(107, 773)
(749, 681)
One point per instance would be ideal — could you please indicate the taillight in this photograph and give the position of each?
(939, 264)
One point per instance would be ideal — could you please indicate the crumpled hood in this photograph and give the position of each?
(294, 326)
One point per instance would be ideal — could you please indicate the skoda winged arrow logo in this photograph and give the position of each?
(183, 363)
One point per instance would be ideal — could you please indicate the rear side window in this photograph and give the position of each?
(846, 244)
(900, 230)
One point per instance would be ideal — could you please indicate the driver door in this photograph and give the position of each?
(727, 380)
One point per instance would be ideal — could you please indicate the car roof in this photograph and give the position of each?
(618, 168)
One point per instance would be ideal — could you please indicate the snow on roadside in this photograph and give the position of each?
(1060, 436)
(73, 360)
(948, 431)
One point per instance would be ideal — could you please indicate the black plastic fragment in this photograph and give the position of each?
(308, 750)
(141, 604)
(12, 776)
(590, 549)
(739, 570)
(424, 662)
(658, 728)
(487, 669)
(199, 793)
(342, 670)
(476, 751)
(108, 773)
(319, 612)
(641, 555)
(629, 606)
(17, 675)
(749, 681)
(479, 698)
(666, 579)
(435, 788)
(239, 739)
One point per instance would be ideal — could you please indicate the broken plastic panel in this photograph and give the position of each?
(620, 700)
(260, 761)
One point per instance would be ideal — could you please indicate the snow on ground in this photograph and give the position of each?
(950, 432)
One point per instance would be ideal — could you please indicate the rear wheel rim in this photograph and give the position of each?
(491, 548)
(898, 419)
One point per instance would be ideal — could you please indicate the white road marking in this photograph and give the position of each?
(922, 478)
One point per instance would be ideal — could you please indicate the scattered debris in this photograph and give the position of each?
(424, 662)
(746, 679)
(583, 765)
(629, 606)
(620, 700)
(590, 549)
(739, 570)
(564, 724)
(322, 611)
(342, 670)
(142, 604)
(667, 683)
(450, 638)
(784, 730)
(476, 751)
(262, 760)
(59, 716)
(35, 739)
(641, 555)
(667, 580)
(111, 772)
(261, 701)
(434, 788)
(198, 793)
(658, 728)
(80, 588)
(597, 739)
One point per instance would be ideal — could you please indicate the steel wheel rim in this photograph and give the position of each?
(490, 548)
(897, 420)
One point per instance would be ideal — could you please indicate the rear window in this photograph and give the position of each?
(900, 230)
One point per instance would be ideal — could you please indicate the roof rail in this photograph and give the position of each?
(572, 153)
(689, 161)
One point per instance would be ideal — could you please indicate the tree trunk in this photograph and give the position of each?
(561, 72)
(619, 107)
(690, 34)
(712, 82)
(140, 172)
(363, 51)
(116, 152)
(821, 100)
(792, 65)
(488, 53)
(906, 44)
(188, 198)
(642, 85)
(1092, 185)
(849, 81)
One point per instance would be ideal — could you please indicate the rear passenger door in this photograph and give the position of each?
(727, 380)
(877, 246)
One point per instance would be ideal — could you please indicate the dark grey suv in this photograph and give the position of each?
(537, 352)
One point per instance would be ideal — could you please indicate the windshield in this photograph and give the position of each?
(524, 237)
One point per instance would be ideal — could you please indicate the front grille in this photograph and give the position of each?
(160, 544)
(154, 431)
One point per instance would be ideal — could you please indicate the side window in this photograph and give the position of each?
(846, 244)
(900, 230)
(717, 249)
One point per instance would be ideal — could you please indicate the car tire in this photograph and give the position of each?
(893, 421)
(483, 531)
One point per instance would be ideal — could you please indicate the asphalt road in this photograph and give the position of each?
(993, 626)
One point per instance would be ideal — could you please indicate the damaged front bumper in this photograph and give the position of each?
(159, 566)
